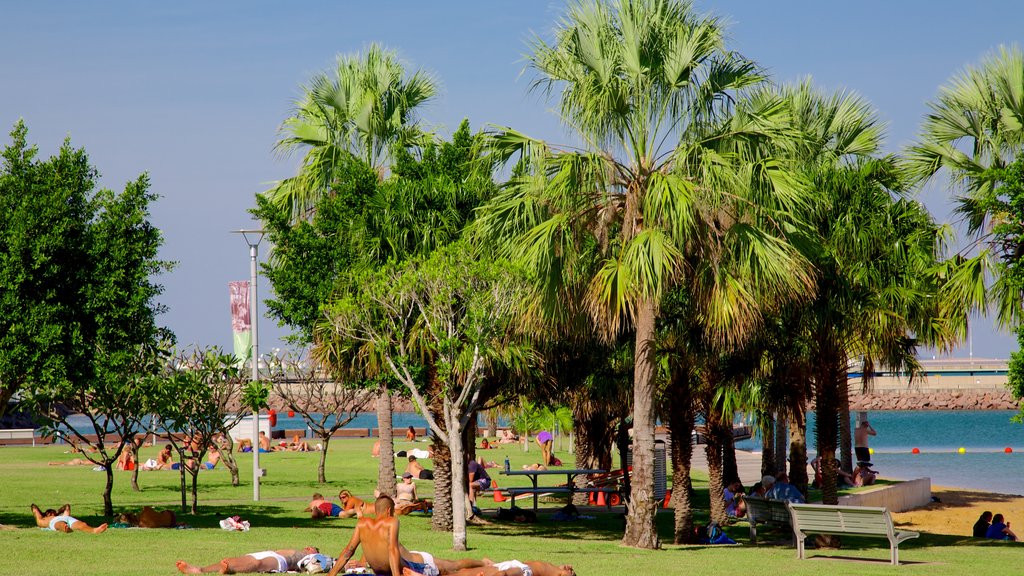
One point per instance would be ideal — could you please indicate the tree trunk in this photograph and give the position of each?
(641, 531)
(138, 465)
(767, 432)
(195, 491)
(622, 444)
(713, 452)
(680, 424)
(492, 424)
(181, 470)
(321, 469)
(798, 448)
(845, 437)
(469, 439)
(593, 434)
(442, 517)
(458, 474)
(228, 457)
(108, 504)
(781, 425)
(730, 470)
(386, 466)
(827, 424)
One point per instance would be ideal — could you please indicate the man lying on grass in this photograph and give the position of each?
(384, 554)
(517, 568)
(267, 561)
(62, 521)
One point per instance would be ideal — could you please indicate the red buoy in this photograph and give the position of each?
(1008, 450)
(915, 451)
(291, 413)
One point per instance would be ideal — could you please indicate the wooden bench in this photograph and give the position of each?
(764, 511)
(18, 436)
(846, 520)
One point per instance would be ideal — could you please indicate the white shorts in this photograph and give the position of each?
(510, 564)
(282, 562)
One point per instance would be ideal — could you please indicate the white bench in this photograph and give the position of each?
(764, 511)
(845, 520)
(18, 434)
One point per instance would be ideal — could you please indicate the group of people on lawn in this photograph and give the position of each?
(376, 531)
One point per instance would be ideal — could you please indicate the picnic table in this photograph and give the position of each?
(534, 476)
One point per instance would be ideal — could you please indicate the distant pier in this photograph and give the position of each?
(947, 384)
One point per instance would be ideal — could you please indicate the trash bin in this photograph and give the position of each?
(660, 469)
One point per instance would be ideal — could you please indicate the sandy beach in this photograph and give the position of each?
(955, 513)
(958, 510)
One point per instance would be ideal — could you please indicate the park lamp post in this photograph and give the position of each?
(253, 239)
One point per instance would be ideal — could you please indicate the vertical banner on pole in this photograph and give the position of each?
(241, 327)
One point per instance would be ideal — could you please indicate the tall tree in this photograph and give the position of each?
(199, 394)
(669, 169)
(368, 105)
(43, 235)
(974, 130)
(81, 263)
(324, 402)
(454, 309)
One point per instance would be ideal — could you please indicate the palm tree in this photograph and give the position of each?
(666, 172)
(974, 129)
(366, 107)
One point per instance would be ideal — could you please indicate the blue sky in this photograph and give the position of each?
(193, 92)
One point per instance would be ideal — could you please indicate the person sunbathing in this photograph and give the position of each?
(62, 521)
(384, 554)
(73, 462)
(266, 561)
(149, 518)
(352, 505)
(298, 444)
(320, 507)
(417, 470)
(517, 568)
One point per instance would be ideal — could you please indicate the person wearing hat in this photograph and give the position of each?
(864, 475)
(406, 500)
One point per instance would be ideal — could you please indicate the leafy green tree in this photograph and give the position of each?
(452, 308)
(324, 402)
(360, 225)
(92, 350)
(1008, 245)
(43, 235)
(974, 130)
(670, 177)
(368, 105)
(198, 399)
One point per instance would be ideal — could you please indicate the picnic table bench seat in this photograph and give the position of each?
(846, 520)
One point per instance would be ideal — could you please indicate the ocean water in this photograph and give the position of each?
(938, 435)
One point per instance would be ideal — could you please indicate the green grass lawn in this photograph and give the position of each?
(589, 545)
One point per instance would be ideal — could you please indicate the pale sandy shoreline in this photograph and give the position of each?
(958, 509)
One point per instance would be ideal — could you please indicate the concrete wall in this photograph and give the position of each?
(896, 497)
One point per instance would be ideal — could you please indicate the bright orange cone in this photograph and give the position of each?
(668, 499)
(600, 499)
(499, 496)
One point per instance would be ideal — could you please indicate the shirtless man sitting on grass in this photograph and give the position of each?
(62, 521)
(385, 555)
(268, 561)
